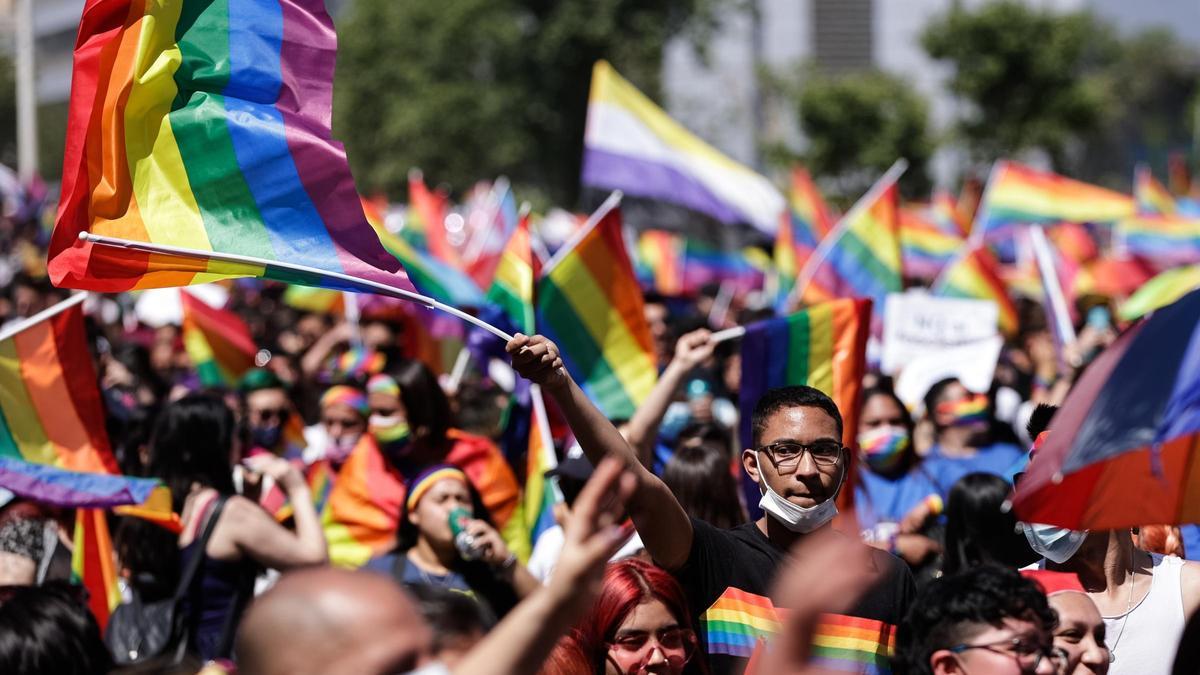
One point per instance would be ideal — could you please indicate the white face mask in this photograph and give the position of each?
(1056, 544)
(801, 519)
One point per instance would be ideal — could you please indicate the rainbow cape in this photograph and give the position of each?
(823, 346)
(1168, 241)
(589, 303)
(50, 407)
(632, 145)
(431, 276)
(1151, 196)
(925, 245)
(659, 261)
(217, 341)
(205, 126)
(513, 283)
(93, 565)
(976, 274)
(1020, 195)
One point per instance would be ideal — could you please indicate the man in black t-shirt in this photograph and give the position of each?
(800, 465)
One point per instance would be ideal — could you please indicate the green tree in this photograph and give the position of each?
(1029, 79)
(469, 89)
(857, 124)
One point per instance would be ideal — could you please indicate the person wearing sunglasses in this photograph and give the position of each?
(987, 620)
(796, 458)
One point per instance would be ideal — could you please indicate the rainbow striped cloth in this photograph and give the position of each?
(659, 261)
(72, 489)
(948, 216)
(740, 623)
(1151, 196)
(512, 286)
(93, 564)
(1168, 241)
(632, 145)
(424, 222)
(1020, 195)
(925, 245)
(433, 277)
(823, 347)
(589, 303)
(206, 126)
(217, 341)
(1160, 291)
(976, 274)
(50, 407)
(705, 264)
(540, 493)
(801, 229)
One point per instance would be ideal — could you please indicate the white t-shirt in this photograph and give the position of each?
(550, 545)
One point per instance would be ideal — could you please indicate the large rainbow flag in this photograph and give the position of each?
(217, 341)
(1151, 196)
(632, 145)
(925, 244)
(589, 303)
(513, 283)
(1168, 241)
(976, 274)
(431, 276)
(50, 407)
(823, 347)
(205, 126)
(93, 564)
(1020, 195)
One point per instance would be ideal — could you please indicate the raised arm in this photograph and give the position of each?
(660, 520)
(690, 351)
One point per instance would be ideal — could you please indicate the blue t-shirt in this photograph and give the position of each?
(880, 499)
(411, 575)
(997, 459)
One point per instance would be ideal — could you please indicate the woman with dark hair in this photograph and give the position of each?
(192, 451)
(894, 498)
(979, 529)
(701, 478)
(48, 629)
(962, 440)
(465, 555)
(410, 429)
(639, 624)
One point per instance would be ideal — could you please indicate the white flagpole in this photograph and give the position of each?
(41, 316)
(609, 204)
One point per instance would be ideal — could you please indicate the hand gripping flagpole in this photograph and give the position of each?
(365, 284)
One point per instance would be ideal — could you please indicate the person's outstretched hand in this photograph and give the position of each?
(537, 359)
(593, 535)
(691, 349)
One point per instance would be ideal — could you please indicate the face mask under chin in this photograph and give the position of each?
(799, 519)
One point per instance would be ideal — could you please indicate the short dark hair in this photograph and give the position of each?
(793, 396)
(48, 629)
(948, 610)
(451, 614)
(1039, 419)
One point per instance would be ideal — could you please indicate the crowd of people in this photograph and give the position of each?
(344, 508)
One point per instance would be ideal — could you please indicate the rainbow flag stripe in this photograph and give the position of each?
(319, 300)
(589, 303)
(947, 216)
(925, 247)
(1019, 195)
(1167, 240)
(540, 495)
(206, 126)
(431, 276)
(976, 274)
(424, 225)
(659, 261)
(72, 489)
(866, 259)
(632, 145)
(93, 564)
(706, 264)
(737, 622)
(217, 341)
(1151, 196)
(852, 644)
(50, 407)
(512, 286)
(823, 347)
(1160, 291)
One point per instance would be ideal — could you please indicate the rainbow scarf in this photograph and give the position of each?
(925, 247)
(1019, 195)
(589, 303)
(971, 410)
(432, 276)
(50, 407)
(975, 274)
(217, 341)
(92, 564)
(1151, 196)
(512, 285)
(206, 126)
(659, 261)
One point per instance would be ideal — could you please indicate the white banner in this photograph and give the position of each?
(918, 324)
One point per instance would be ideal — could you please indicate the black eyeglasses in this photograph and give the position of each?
(786, 454)
(1027, 653)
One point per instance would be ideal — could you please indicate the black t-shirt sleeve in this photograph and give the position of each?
(702, 573)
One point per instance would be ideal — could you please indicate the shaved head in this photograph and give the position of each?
(332, 621)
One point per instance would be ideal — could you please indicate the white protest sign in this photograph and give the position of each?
(974, 364)
(918, 324)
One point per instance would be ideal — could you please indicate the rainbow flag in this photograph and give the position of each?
(156, 508)
(659, 261)
(589, 303)
(737, 622)
(205, 126)
(319, 300)
(433, 277)
(801, 229)
(632, 145)
(851, 644)
(1020, 195)
(1160, 291)
(866, 256)
(824, 347)
(705, 264)
(1151, 196)
(486, 245)
(50, 407)
(424, 224)
(1168, 241)
(92, 564)
(541, 494)
(217, 341)
(925, 247)
(948, 215)
(512, 285)
(50, 485)
(976, 274)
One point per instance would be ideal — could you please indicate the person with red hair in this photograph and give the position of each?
(639, 624)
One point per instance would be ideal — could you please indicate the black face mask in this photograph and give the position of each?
(266, 437)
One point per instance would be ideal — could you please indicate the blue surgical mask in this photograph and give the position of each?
(266, 437)
(1056, 544)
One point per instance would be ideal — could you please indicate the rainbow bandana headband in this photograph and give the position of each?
(427, 478)
(885, 446)
(966, 411)
(347, 396)
(383, 384)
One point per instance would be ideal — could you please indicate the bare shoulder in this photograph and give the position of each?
(1189, 581)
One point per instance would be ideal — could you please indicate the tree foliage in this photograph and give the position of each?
(1029, 79)
(469, 89)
